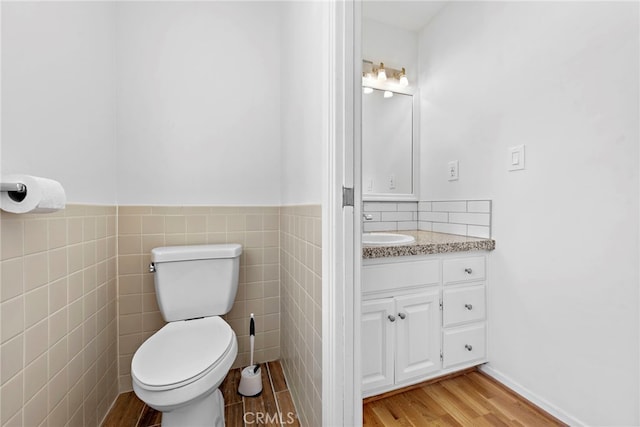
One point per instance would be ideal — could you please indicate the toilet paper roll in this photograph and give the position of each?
(43, 195)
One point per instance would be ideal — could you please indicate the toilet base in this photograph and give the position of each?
(207, 412)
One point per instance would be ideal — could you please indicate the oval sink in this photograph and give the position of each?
(386, 239)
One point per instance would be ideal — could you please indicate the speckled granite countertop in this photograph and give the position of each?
(428, 242)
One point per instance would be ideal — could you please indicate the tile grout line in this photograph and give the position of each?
(243, 402)
(275, 396)
(140, 415)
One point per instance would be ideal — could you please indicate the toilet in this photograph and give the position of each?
(178, 370)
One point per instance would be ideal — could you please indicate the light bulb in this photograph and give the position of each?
(367, 90)
(403, 78)
(388, 94)
(382, 74)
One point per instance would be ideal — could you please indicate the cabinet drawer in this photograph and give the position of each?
(463, 305)
(463, 269)
(464, 344)
(397, 275)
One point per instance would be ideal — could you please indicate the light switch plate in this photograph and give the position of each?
(452, 170)
(516, 158)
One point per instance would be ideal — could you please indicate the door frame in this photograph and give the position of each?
(341, 236)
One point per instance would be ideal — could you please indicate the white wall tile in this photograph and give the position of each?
(407, 225)
(450, 228)
(424, 206)
(433, 216)
(478, 231)
(470, 218)
(408, 206)
(397, 216)
(380, 207)
(424, 225)
(380, 226)
(483, 206)
(455, 206)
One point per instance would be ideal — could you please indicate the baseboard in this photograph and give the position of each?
(532, 397)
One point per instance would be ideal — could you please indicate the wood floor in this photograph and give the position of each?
(268, 409)
(471, 399)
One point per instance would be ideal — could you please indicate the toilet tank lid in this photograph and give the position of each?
(194, 252)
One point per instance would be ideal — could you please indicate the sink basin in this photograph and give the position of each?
(386, 239)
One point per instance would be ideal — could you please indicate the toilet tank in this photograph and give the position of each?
(195, 281)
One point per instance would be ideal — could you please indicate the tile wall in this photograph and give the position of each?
(58, 325)
(301, 276)
(390, 216)
(463, 217)
(141, 228)
(61, 325)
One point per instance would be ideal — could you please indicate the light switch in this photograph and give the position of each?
(516, 158)
(392, 182)
(452, 171)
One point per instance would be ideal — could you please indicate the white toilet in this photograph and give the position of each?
(178, 369)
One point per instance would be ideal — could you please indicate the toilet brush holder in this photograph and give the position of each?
(250, 381)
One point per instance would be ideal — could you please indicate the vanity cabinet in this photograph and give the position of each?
(422, 317)
(400, 338)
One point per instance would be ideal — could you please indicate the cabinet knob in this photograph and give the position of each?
(468, 270)
(468, 347)
(391, 318)
(468, 306)
(402, 315)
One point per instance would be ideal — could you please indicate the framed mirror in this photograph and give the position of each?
(390, 141)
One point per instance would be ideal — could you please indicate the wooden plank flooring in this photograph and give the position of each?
(269, 409)
(470, 399)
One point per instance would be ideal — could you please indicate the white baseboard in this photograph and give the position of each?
(532, 397)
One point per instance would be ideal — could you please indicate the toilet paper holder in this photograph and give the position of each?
(18, 187)
(17, 191)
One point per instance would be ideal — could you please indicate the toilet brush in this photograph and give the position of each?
(251, 376)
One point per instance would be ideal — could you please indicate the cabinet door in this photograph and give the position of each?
(418, 335)
(377, 336)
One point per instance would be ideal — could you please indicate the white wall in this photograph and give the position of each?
(198, 103)
(304, 91)
(58, 95)
(562, 78)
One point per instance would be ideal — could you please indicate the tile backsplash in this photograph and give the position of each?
(463, 217)
(390, 216)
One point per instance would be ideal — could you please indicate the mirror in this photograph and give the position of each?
(389, 145)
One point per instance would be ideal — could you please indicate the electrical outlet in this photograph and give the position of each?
(452, 172)
(392, 182)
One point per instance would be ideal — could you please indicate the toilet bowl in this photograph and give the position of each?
(182, 364)
(178, 370)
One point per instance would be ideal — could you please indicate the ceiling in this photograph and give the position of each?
(409, 15)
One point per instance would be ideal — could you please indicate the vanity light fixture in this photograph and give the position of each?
(383, 74)
(367, 90)
(388, 94)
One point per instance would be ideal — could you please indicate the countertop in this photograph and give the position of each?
(428, 242)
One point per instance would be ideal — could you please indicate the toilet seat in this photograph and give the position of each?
(181, 353)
